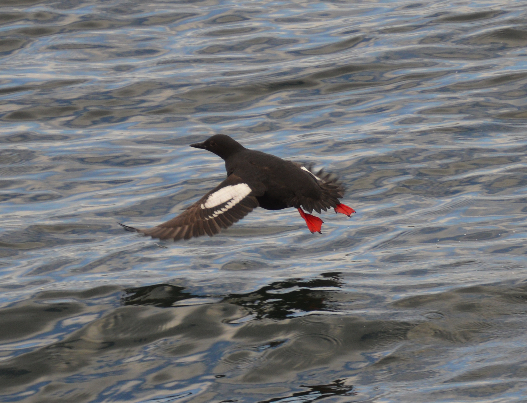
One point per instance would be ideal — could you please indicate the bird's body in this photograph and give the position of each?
(253, 179)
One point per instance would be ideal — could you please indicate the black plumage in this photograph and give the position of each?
(253, 179)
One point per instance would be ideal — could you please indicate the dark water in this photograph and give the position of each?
(419, 106)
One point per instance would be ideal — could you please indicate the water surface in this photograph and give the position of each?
(419, 107)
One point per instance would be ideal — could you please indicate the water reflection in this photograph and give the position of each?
(284, 299)
(278, 301)
(160, 295)
(316, 392)
(418, 106)
(86, 340)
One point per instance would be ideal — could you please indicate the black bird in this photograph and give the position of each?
(253, 179)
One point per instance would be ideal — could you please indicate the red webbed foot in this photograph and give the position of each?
(314, 224)
(343, 209)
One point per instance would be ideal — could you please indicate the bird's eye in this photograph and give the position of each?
(212, 143)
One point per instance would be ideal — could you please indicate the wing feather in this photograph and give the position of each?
(224, 205)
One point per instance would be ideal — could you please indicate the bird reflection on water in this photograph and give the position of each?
(278, 300)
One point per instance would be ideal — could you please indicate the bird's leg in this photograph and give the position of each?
(314, 224)
(343, 209)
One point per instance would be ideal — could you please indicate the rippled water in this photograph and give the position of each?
(419, 106)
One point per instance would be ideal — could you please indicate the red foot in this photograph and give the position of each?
(343, 209)
(314, 224)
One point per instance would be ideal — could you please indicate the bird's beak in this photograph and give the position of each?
(198, 145)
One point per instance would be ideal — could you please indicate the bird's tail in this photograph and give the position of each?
(331, 187)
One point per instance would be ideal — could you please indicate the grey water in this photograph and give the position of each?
(419, 106)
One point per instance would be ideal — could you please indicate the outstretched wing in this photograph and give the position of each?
(224, 205)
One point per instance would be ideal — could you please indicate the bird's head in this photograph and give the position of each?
(221, 145)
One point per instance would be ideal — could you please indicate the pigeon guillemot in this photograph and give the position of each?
(253, 179)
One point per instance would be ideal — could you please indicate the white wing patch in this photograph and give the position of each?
(312, 174)
(231, 194)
